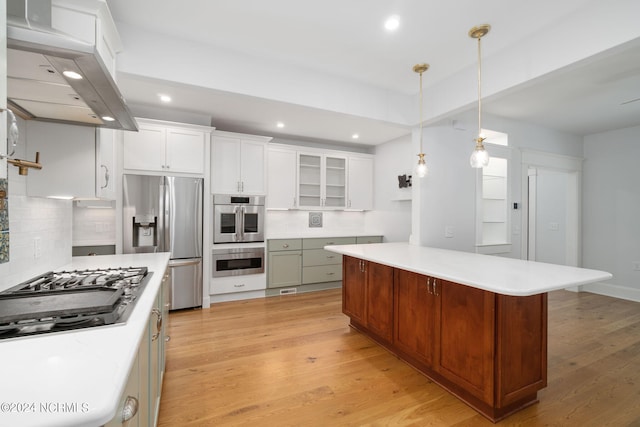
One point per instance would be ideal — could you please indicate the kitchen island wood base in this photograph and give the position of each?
(488, 349)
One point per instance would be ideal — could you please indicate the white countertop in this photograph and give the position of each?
(318, 233)
(506, 276)
(76, 378)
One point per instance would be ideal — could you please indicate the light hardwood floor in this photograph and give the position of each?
(294, 361)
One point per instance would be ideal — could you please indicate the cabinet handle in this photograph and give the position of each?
(106, 176)
(330, 256)
(238, 286)
(294, 202)
(242, 186)
(158, 323)
(435, 289)
(130, 408)
(429, 285)
(330, 273)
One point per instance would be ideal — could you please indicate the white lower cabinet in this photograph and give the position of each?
(140, 401)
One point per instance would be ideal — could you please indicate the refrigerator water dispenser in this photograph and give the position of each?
(145, 231)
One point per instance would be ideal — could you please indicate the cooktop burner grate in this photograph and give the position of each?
(59, 301)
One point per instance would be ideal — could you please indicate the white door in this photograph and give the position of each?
(253, 168)
(360, 183)
(281, 179)
(185, 151)
(553, 224)
(225, 165)
(145, 149)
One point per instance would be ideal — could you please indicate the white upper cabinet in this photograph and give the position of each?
(318, 179)
(322, 180)
(166, 147)
(106, 163)
(238, 163)
(77, 161)
(360, 183)
(281, 178)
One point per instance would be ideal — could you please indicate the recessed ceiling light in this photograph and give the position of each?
(72, 75)
(108, 118)
(164, 98)
(280, 125)
(355, 136)
(392, 23)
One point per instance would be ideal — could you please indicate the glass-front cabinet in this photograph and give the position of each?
(321, 181)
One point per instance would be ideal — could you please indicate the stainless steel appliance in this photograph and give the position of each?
(62, 301)
(164, 214)
(238, 218)
(237, 261)
(38, 56)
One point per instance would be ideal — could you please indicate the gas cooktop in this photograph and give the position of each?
(68, 300)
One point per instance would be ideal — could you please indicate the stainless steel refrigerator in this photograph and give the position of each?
(164, 214)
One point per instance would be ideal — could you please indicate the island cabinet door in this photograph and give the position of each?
(416, 315)
(379, 295)
(467, 336)
(354, 289)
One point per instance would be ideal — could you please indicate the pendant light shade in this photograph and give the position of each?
(421, 168)
(480, 156)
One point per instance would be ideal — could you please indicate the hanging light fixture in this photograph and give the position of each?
(421, 169)
(480, 156)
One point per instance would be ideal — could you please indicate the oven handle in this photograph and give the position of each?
(243, 211)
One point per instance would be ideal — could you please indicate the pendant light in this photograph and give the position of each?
(421, 168)
(480, 156)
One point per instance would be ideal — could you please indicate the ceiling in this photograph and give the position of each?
(347, 39)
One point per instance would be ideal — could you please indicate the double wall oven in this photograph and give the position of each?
(238, 221)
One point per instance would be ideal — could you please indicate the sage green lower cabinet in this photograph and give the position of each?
(295, 262)
(361, 240)
(284, 263)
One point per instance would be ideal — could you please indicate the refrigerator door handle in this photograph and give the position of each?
(167, 207)
(185, 263)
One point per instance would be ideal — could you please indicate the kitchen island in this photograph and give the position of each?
(78, 377)
(475, 324)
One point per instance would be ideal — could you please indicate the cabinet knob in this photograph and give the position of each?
(130, 408)
(167, 338)
(285, 246)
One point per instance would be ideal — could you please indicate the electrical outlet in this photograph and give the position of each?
(37, 248)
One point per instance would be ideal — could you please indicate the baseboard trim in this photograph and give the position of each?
(611, 290)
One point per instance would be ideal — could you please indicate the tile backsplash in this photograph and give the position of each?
(40, 230)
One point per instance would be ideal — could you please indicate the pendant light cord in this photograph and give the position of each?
(479, 90)
(421, 113)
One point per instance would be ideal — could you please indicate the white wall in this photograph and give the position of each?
(392, 206)
(611, 209)
(447, 196)
(32, 218)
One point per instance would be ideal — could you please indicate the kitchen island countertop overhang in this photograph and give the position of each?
(506, 276)
(77, 375)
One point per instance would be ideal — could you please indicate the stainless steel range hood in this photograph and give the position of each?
(37, 57)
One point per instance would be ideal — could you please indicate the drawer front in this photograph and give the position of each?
(319, 243)
(321, 273)
(249, 282)
(320, 257)
(368, 239)
(284, 245)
